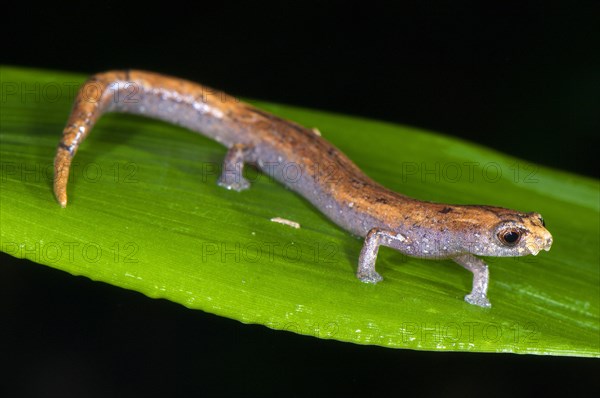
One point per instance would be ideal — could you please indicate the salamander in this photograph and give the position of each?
(350, 198)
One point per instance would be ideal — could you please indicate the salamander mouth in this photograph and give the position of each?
(540, 244)
(533, 248)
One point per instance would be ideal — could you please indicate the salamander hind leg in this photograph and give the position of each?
(233, 166)
(368, 255)
(481, 276)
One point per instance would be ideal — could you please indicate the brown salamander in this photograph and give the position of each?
(352, 200)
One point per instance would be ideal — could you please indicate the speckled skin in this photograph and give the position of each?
(347, 196)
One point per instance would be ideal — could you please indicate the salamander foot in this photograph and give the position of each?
(235, 183)
(369, 277)
(478, 299)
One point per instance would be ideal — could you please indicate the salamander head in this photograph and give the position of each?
(499, 232)
(509, 234)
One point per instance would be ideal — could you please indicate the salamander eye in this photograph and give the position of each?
(510, 237)
(542, 221)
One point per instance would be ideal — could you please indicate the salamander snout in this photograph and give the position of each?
(542, 241)
(548, 243)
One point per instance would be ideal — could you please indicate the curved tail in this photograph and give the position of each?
(92, 101)
(171, 99)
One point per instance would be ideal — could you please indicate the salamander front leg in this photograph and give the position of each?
(368, 255)
(233, 166)
(481, 276)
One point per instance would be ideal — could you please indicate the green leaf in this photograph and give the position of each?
(145, 213)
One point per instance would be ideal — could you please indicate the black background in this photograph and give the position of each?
(522, 78)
